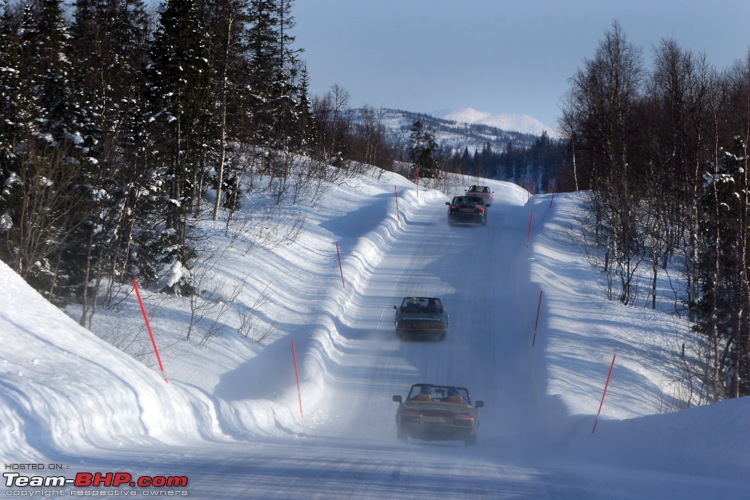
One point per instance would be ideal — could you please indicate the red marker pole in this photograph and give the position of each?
(148, 327)
(604, 394)
(341, 270)
(296, 375)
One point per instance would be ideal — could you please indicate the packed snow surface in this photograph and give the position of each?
(531, 334)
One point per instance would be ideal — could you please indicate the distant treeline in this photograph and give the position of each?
(540, 168)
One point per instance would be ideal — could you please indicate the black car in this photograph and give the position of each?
(471, 209)
(421, 317)
(437, 412)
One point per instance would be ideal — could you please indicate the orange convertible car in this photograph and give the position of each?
(437, 412)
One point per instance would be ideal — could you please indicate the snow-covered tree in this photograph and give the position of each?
(47, 197)
(274, 104)
(179, 93)
(226, 24)
(12, 107)
(110, 51)
(722, 315)
(422, 148)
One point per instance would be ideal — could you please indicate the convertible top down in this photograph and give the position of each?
(437, 412)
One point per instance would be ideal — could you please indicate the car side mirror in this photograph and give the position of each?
(447, 202)
(395, 307)
(397, 399)
(478, 404)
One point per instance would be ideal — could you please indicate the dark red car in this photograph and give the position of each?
(483, 192)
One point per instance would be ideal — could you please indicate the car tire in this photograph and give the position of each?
(471, 440)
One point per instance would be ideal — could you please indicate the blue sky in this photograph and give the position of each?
(497, 56)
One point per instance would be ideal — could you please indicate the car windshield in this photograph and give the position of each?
(439, 393)
(421, 304)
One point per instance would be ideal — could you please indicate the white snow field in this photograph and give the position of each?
(225, 419)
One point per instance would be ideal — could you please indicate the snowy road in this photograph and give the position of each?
(481, 274)
(528, 446)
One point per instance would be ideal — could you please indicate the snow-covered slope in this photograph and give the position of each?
(232, 422)
(65, 391)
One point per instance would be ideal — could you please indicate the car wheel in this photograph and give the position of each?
(471, 440)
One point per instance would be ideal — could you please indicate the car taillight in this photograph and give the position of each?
(463, 420)
(480, 209)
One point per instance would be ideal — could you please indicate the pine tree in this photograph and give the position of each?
(305, 140)
(49, 197)
(12, 110)
(286, 91)
(422, 151)
(226, 24)
(263, 46)
(110, 51)
(47, 70)
(275, 70)
(179, 88)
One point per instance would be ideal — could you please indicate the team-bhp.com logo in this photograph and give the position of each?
(93, 484)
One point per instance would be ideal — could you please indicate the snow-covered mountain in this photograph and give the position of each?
(461, 129)
(509, 122)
